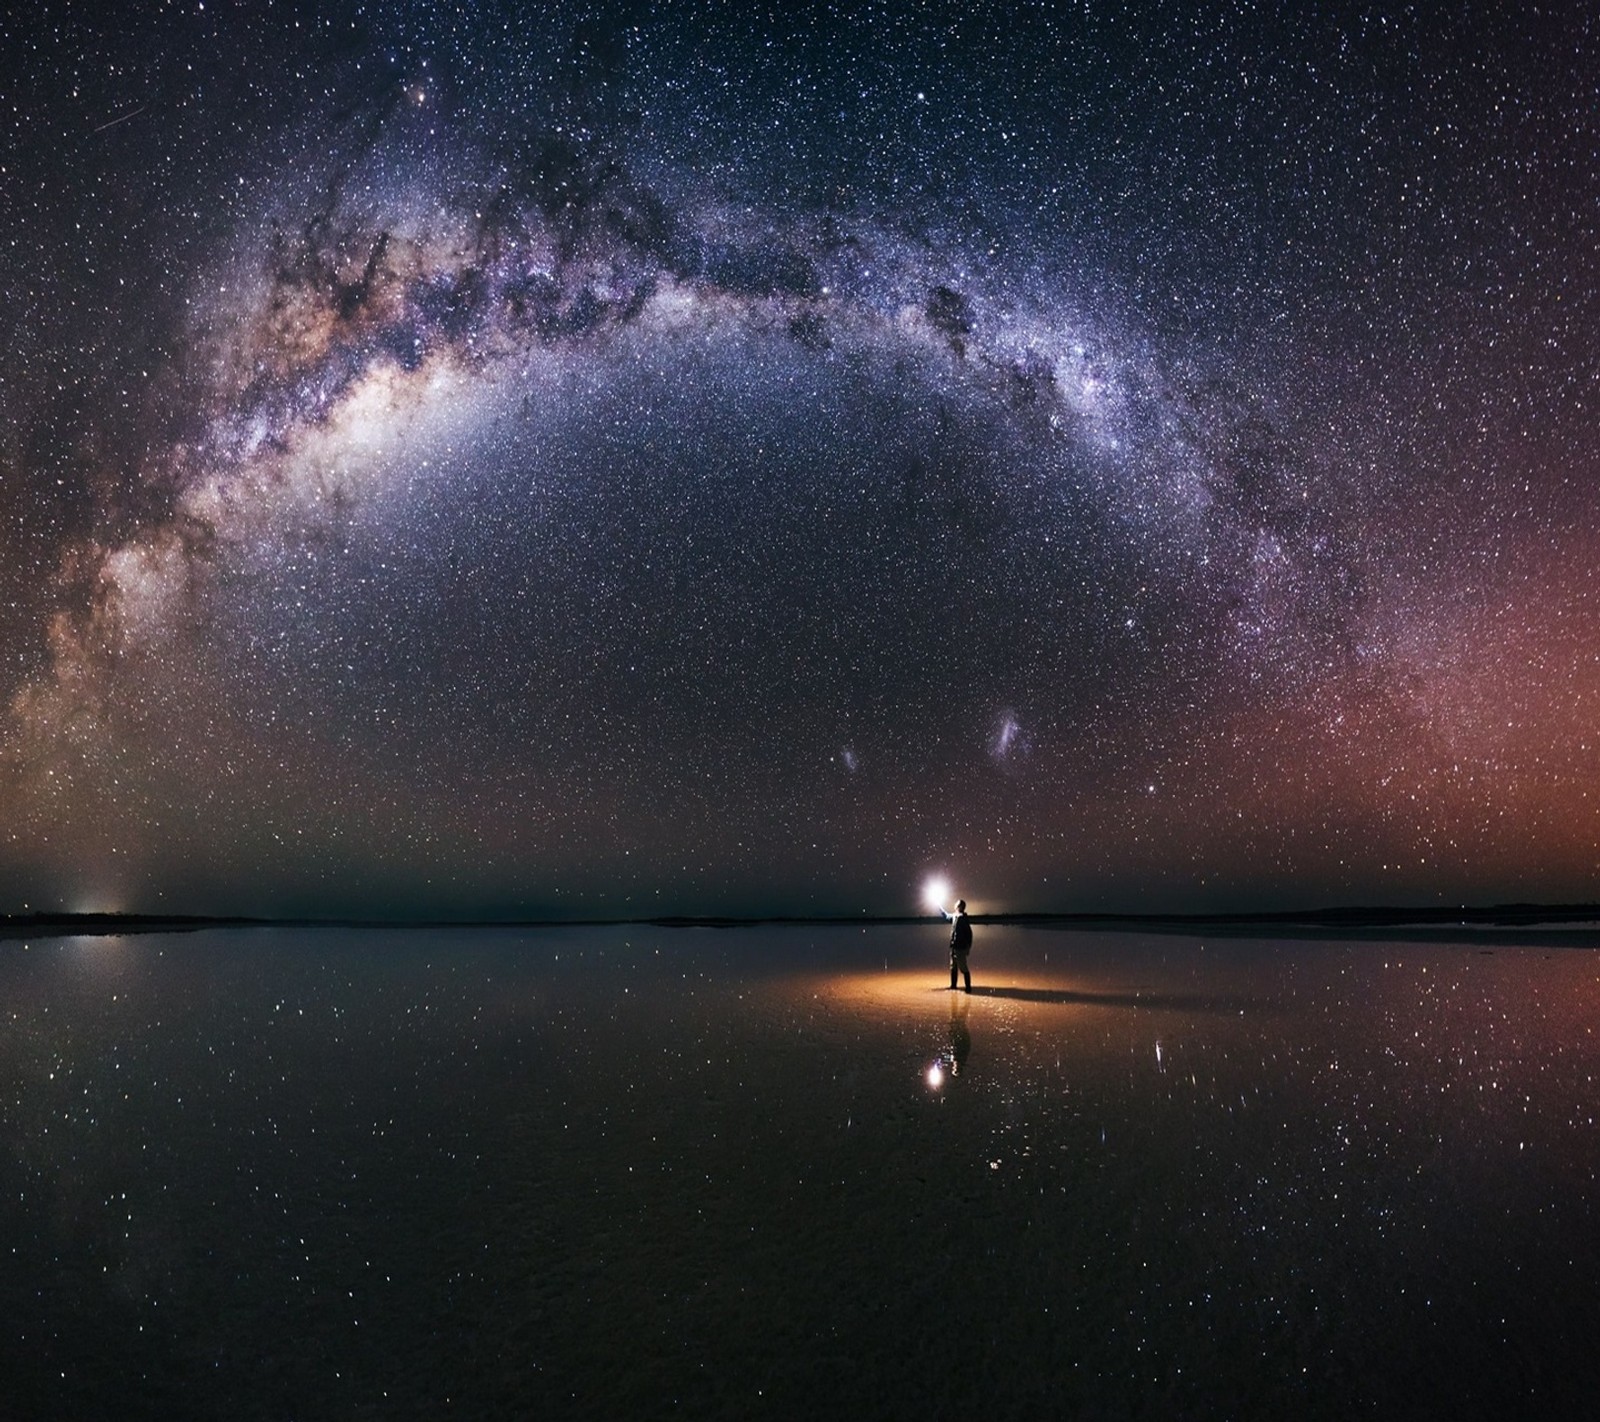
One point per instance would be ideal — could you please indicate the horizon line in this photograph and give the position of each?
(1521, 913)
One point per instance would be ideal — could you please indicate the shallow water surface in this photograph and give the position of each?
(635, 1171)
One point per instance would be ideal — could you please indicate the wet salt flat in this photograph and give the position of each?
(636, 1172)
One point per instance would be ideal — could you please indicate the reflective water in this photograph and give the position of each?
(630, 1172)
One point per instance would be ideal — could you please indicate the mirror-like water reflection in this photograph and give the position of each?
(624, 1171)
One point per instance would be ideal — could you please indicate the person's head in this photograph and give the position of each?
(961, 905)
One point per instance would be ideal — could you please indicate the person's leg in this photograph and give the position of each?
(966, 973)
(952, 972)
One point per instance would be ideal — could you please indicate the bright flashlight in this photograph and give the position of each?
(935, 892)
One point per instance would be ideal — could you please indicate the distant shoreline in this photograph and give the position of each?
(1317, 922)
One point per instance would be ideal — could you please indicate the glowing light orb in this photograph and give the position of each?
(935, 892)
(936, 1075)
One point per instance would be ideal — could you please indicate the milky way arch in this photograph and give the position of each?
(539, 535)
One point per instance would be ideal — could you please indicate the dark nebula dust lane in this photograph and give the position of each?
(664, 461)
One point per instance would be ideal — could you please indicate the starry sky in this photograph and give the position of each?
(712, 458)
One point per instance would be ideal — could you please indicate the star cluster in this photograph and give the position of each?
(682, 460)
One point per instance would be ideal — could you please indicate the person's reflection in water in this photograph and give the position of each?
(960, 1038)
(953, 1060)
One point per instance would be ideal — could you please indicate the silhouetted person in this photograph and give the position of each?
(960, 944)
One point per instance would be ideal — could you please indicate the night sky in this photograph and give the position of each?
(703, 459)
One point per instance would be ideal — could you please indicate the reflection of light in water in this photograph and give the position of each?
(936, 1075)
